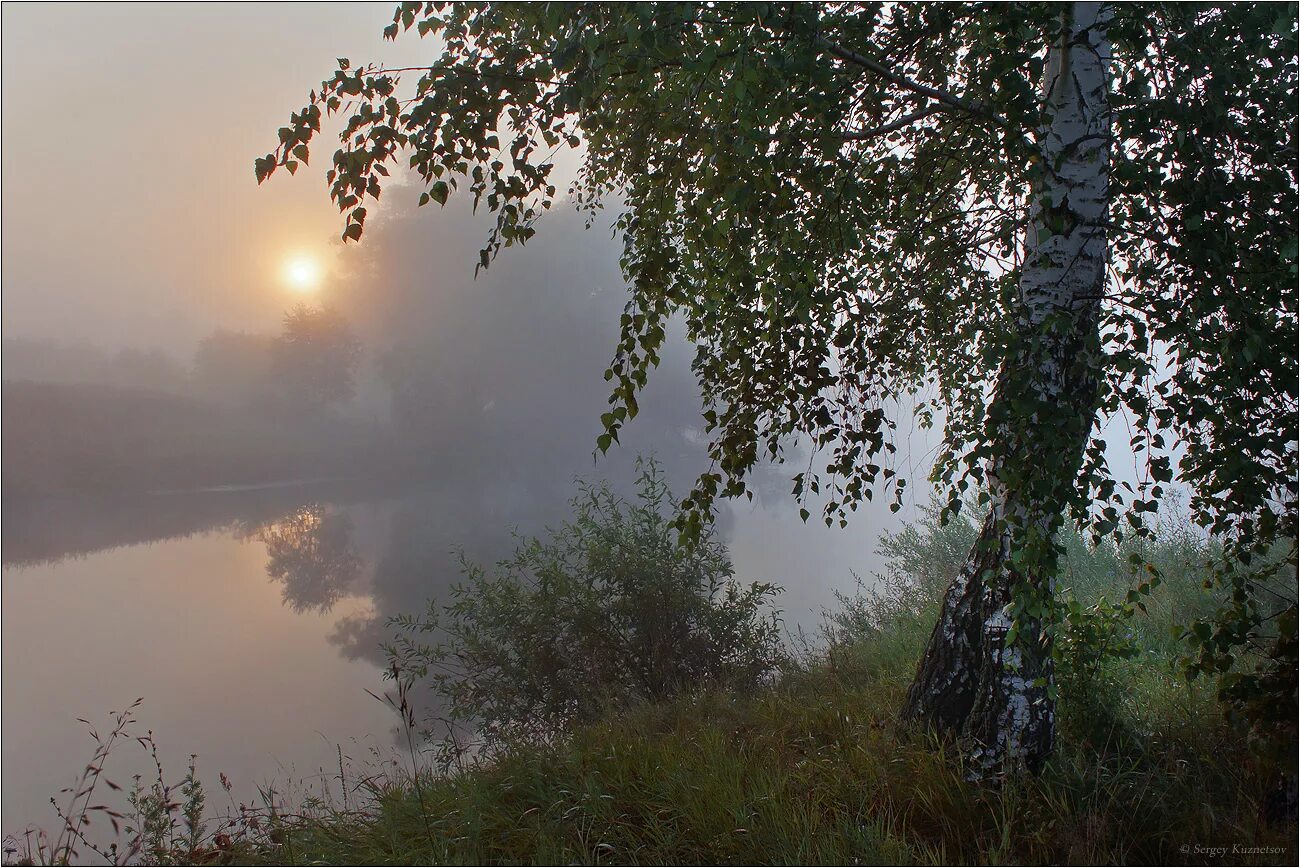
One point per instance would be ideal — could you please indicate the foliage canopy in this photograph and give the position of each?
(837, 232)
(834, 198)
(316, 356)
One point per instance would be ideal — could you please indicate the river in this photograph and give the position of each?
(249, 621)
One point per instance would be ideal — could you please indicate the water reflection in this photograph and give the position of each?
(312, 554)
(415, 557)
(50, 530)
(250, 619)
(392, 548)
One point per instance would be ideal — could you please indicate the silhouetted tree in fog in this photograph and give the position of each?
(316, 357)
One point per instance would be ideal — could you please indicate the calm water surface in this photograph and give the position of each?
(249, 621)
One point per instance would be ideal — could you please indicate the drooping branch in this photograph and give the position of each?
(898, 124)
(870, 132)
(952, 101)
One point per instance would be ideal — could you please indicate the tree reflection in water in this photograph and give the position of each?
(311, 551)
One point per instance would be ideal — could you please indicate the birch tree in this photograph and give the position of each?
(1018, 219)
(975, 677)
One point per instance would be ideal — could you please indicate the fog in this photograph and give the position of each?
(144, 277)
(220, 485)
(179, 521)
(477, 407)
(131, 217)
(143, 301)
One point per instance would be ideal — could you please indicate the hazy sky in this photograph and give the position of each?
(131, 216)
(130, 211)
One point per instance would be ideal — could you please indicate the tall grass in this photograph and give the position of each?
(815, 771)
(814, 767)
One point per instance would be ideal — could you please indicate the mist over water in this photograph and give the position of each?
(177, 524)
(193, 512)
(193, 539)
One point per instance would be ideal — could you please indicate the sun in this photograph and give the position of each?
(303, 274)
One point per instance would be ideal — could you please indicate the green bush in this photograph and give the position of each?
(1107, 637)
(606, 612)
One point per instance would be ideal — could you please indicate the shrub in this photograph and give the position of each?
(607, 611)
(1107, 635)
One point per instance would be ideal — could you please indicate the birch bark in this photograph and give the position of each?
(971, 680)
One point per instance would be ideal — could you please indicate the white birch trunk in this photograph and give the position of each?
(971, 680)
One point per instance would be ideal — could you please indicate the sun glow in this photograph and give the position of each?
(303, 274)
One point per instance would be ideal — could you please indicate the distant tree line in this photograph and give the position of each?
(310, 365)
(248, 410)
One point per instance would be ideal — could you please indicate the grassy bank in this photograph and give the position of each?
(813, 767)
(815, 770)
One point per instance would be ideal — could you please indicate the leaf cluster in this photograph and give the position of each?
(606, 611)
(833, 198)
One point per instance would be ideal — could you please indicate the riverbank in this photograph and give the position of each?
(808, 766)
(65, 440)
(813, 769)
(816, 770)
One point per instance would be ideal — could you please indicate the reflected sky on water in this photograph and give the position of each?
(249, 620)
